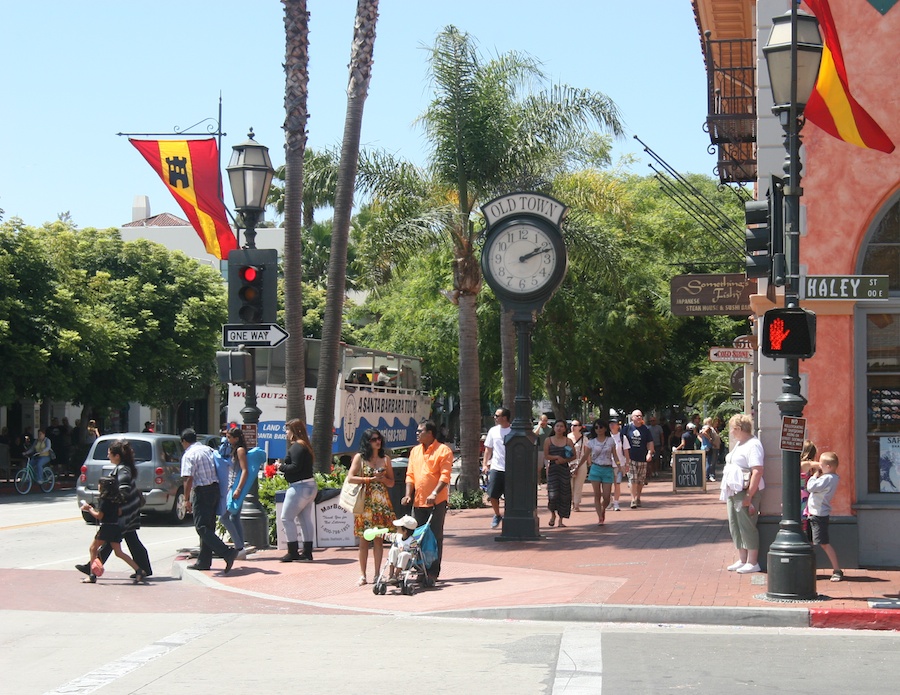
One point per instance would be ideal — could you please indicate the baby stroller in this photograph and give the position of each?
(423, 555)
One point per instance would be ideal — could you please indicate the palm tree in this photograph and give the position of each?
(361, 56)
(296, 68)
(486, 139)
(320, 171)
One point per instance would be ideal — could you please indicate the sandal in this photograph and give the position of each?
(362, 581)
(837, 576)
(552, 521)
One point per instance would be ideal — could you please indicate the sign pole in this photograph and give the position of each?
(791, 564)
(254, 518)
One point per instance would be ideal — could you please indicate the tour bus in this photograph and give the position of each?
(374, 389)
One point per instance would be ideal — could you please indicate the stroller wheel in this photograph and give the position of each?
(382, 589)
(409, 586)
(376, 588)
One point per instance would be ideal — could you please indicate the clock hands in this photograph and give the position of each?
(536, 252)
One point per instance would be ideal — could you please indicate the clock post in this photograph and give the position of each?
(524, 261)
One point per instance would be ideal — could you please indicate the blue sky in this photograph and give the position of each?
(72, 75)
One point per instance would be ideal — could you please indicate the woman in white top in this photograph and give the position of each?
(602, 472)
(580, 464)
(742, 480)
(620, 470)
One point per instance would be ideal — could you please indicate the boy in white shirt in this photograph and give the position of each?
(821, 486)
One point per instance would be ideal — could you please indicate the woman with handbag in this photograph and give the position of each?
(558, 452)
(121, 455)
(372, 469)
(742, 480)
(297, 468)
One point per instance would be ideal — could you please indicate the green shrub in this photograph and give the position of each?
(268, 487)
(461, 500)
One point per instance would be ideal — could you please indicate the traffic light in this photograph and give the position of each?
(764, 236)
(252, 286)
(234, 366)
(789, 332)
(758, 260)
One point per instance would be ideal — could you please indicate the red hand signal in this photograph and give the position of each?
(777, 334)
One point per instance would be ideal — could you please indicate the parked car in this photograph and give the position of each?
(158, 461)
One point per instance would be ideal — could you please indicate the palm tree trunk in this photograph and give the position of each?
(361, 56)
(296, 68)
(467, 279)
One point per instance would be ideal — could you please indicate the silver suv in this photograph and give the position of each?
(158, 461)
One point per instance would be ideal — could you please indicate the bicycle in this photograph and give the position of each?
(28, 475)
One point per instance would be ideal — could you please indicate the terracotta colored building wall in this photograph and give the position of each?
(844, 189)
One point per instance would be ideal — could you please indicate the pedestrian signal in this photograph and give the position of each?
(789, 333)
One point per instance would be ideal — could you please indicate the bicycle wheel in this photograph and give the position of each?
(23, 481)
(49, 480)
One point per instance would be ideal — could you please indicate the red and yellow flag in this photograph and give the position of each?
(190, 170)
(831, 106)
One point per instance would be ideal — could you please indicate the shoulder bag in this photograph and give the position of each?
(353, 496)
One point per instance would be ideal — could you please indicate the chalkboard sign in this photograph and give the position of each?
(688, 470)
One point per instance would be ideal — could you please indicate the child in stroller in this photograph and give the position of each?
(410, 555)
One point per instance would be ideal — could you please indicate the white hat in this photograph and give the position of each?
(407, 522)
(691, 426)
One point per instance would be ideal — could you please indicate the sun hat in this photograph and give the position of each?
(407, 522)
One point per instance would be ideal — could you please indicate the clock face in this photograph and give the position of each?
(521, 259)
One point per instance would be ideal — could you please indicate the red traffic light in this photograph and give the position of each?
(248, 273)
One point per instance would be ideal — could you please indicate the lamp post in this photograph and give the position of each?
(792, 53)
(250, 174)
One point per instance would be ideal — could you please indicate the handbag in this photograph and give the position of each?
(353, 497)
(747, 473)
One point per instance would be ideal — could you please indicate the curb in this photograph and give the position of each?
(847, 619)
(611, 613)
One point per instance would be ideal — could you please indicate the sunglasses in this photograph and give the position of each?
(375, 439)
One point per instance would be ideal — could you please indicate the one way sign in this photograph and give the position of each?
(262, 335)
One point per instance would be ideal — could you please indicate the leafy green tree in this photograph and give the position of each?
(490, 134)
(98, 321)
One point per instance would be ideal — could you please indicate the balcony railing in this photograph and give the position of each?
(731, 119)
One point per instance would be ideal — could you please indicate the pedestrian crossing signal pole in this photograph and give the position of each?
(791, 564)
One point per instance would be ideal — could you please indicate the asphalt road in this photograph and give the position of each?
(60, 636)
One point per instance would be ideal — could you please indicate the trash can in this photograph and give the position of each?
(397, 492)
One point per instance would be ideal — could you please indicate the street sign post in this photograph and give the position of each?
(730, 354)
(261, 335)
(845, 287)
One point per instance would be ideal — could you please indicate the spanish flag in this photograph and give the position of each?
(831, 106)
(190, 170)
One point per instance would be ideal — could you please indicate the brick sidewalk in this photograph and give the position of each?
(670, 552)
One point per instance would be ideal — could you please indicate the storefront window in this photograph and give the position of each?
(882, 257)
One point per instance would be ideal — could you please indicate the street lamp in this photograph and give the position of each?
(250, 174)
(792, 53)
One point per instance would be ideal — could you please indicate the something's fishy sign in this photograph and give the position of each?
(714, 294)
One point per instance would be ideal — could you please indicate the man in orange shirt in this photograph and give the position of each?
(428, 485)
